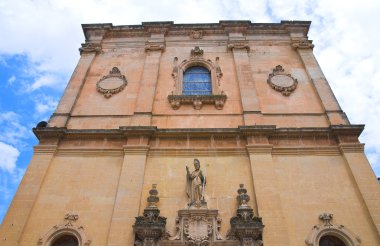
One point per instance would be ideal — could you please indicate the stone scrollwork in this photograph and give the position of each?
(197, 101)
(246, 227)
(330, 229)
(69, 227)
(281, 81)
(112, 83)
(150, 227)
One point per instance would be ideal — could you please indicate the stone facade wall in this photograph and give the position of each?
(294, 150)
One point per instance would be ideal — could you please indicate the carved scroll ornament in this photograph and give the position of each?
(281, 81)
(112, 83)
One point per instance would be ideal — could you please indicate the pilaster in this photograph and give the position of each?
(128, 195)
(331, 106)
(363, 175)
(144, 103)
(267, 193)
(66, 105)
(17, 217)
(238, 44)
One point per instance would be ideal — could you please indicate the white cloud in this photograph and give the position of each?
(8, 157)
(45, 104)
(11, 80)
(12, 131)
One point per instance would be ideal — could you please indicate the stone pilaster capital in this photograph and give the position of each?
(351, 147)
(302, 44)
(155, 46)
(238, 45)
(46, 149)
(90, 48)
(260, 148)
(135, 149)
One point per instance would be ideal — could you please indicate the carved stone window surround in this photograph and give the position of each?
(67, 228)
(218, 97)
(329, 229)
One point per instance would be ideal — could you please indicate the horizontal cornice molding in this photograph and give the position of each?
(277, 136)
(168, 28)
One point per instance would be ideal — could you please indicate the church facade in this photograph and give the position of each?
(197, 134)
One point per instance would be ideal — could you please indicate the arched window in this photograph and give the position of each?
(197, 81)
(66, 240)
(329, 240)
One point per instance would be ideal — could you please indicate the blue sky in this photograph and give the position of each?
(39, 43)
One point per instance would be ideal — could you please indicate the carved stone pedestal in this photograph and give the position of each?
(196, 227)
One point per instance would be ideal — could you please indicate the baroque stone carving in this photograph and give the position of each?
(195, 186)
(150, 227)
(218, 97)
(90, 47)
(112, 83)
(69, 227)
(196, 51)
(330, 229)
(197, 101)
(196, 227)
(218, 70)
(246, 227)
(196, 34)
(281, 81)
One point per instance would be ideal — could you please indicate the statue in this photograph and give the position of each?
(195, 185)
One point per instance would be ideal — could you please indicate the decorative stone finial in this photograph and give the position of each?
(153, 198)
(243, 198)
(245, 227)
(327, 218)
(150, 227)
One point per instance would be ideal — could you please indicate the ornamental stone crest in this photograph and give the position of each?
(281, 81)
(197, 230)
(196, 34)
(197, 51)
(112, 83)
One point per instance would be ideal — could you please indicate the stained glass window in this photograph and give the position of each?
(196, 81)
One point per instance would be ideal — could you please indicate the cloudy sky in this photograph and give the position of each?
(39, 41)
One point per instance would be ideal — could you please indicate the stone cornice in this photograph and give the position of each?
(96, 31)
(263, 134)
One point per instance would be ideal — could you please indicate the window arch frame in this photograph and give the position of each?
(198, 63)
(339, 231)
(217, 97)
(64, 229)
